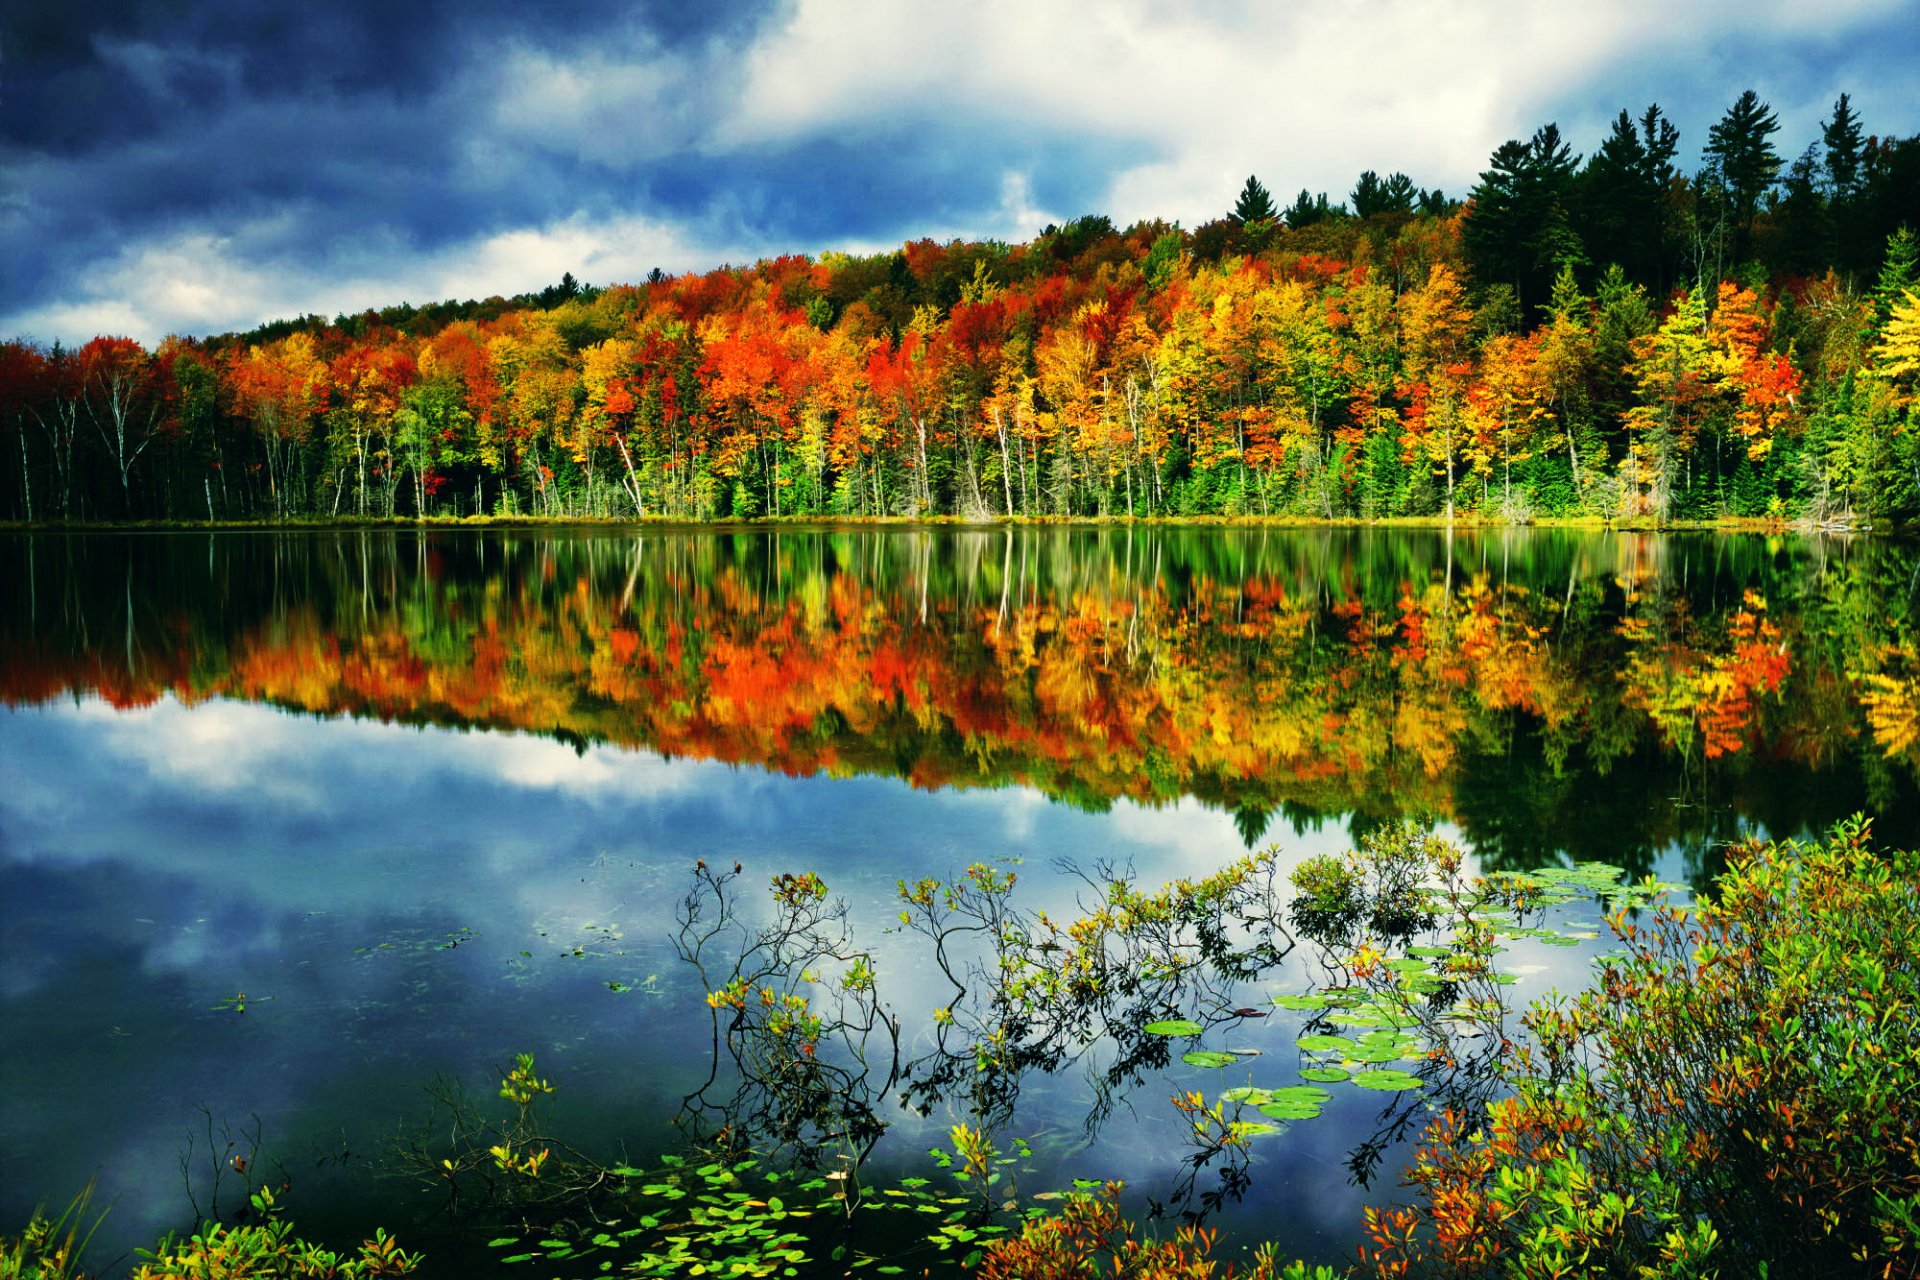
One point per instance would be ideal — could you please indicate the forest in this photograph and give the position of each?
(1603, 336)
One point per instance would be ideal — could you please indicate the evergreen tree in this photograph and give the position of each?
(1740, 151)
(1843, 139)
(1803, 219)
(1254, 205)
(1372, 194)
(1308, 209)
(1518, 231)
(1899, 274)
(1623, 197)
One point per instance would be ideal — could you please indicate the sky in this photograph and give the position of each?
(202, 166)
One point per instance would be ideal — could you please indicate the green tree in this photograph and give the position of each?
(1518, 231)
(1373, 194)
(1623, 196)
(1740, 152)
(1254, 205)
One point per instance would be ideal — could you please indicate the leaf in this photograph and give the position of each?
(1325, 1075)
(1173, 1027)
(1388, 1081)
(1209, 1058)
(1324, 1043)
(1301, 1002)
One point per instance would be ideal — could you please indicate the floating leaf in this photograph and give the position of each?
(1390, 1081)
(1325, 1075)
(1290, 1110)
(1245, 1093)
(1173, 1027)
(1254, 1128)
(1301, 1002)
(1208, 1058)
(1322, 1043)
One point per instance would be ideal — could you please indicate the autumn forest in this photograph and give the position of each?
(1599, 336)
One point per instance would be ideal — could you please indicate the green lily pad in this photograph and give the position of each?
(1429, 953)
(1209, 1058)
(1321, 1044)
(1388, 1081)
(1299, 1093)
(1325, 1075)
(1290, 1110)
(1245, 1093)
(1301, 1002)
(1254, 1128)
(1173, 1027)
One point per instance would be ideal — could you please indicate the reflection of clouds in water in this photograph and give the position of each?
(237, 747)
(276, 853)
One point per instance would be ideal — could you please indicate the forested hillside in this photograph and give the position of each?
(1601, 336)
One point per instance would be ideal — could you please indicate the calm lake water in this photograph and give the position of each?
(424, 801)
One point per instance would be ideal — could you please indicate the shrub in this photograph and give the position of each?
(1738, 1093)
(267, 1249)
(1091, 1238)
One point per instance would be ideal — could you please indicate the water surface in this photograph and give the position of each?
(432, 799)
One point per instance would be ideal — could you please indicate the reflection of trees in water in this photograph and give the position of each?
(806, 1055)
(1683, 687)
(796, 1014)
(805, 1059)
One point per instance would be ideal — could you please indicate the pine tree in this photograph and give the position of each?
(1254, 205)
(1741, 152)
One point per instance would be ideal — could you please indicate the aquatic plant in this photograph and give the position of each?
(268, 1249)
(1090, 1237)
(50, 1247)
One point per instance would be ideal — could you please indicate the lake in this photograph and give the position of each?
(304, 833)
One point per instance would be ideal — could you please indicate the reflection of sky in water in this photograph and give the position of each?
(156, 862)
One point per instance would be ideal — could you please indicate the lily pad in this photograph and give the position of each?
(1325, 1075)
(1290, 1110)
(1209, 1058)
(1173, 1027)
(1254, 1128)
(1388, 1081)
(1301, 1002)
(1322, 1044)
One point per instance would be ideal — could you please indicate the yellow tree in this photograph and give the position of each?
(1671, 371)
(1509, 398)
(1436, 363)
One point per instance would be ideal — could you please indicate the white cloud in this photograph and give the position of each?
(1303, 95)
(202, 282)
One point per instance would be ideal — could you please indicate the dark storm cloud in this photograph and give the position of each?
(189, 167)
(320, 132)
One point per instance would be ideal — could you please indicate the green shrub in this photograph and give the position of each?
(1737, 1094)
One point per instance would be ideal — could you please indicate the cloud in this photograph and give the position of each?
(209, 166)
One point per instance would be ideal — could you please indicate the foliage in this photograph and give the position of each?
(267, 1249)
(49, 1248)
(1090, 1237)
(1735, 1093)
(1252, 366)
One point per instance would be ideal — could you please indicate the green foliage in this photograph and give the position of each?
(50, 1248)
(267, 1249)
(1734, 1095)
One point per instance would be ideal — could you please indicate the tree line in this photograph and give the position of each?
(1610, 338)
